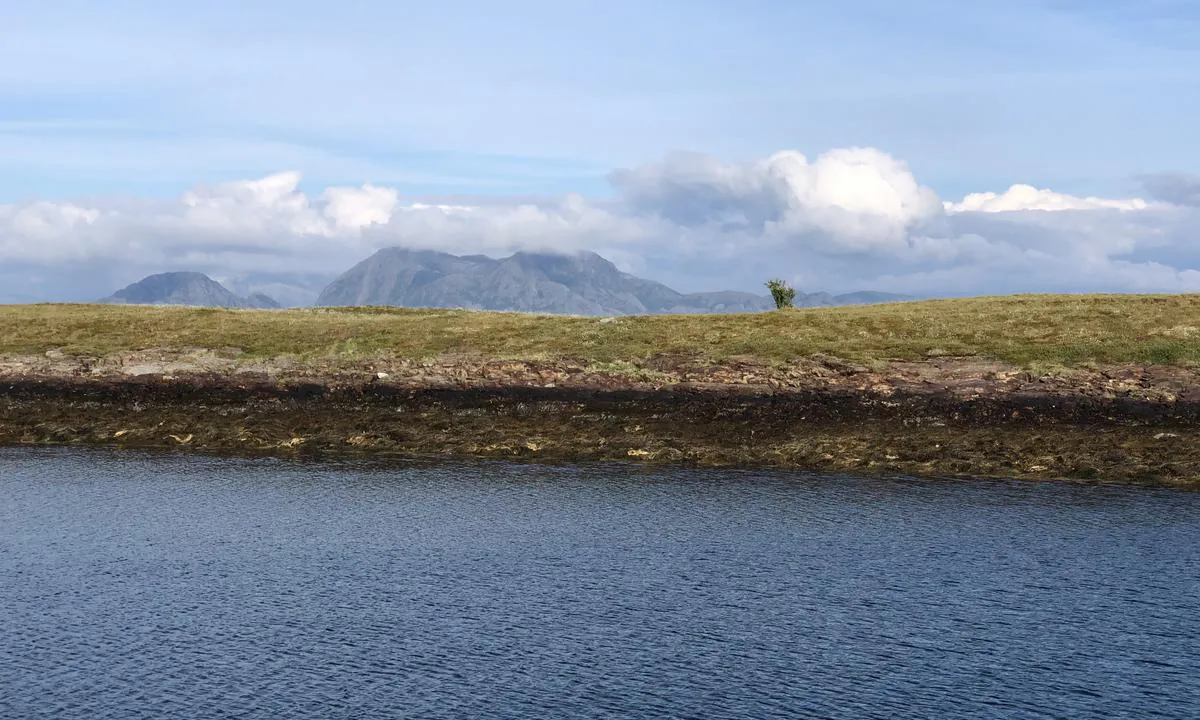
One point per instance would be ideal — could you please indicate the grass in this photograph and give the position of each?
(1024, 330)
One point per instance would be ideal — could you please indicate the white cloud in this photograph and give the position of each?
(46, 221)
(270, 204)
(860, 197)
(1026, 197)
(848, 219)
(356, 208)
(856, 198)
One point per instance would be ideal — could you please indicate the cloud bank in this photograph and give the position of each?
(847, 219)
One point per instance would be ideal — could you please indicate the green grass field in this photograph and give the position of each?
(1027, 329)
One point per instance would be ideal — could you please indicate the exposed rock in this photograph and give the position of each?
(950, 416)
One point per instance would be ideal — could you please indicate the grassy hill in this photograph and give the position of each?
(1059, 329)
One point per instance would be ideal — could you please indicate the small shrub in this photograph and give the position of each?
(783, 294)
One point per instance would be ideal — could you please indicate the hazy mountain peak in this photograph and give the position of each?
(578, 283)
(184, 288)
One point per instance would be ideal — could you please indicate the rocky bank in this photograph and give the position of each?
(940, 417)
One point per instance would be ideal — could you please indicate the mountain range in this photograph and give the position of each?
(185, 288)
(582, 284)
(288, 289)
(579, 284)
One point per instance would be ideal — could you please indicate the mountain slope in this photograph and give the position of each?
(583, 284)
(287, 289)
(184, 288)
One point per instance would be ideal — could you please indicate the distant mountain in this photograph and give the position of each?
(261, 301)
(868, 297)
(288, 289)
(582, 284)
(185, 288)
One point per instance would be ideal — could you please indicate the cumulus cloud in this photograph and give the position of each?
(847, 219)
(859, 197)
(357, 208)
(1027, 197)
(855, 198)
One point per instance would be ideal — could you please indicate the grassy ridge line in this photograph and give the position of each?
(1023, 330)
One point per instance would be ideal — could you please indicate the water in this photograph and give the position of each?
(142, 585)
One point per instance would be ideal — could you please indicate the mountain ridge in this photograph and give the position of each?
(185, 288)
(582, 284)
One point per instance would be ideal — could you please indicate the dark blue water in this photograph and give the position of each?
(138, 585)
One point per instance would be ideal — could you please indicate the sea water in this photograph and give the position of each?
(138, 584)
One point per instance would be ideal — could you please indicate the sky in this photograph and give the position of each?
(927, 147)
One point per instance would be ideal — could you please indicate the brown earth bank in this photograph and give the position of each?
(939, 417)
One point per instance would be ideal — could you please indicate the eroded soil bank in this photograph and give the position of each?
(939, 417)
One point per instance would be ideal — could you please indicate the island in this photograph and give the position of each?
(1096, 388)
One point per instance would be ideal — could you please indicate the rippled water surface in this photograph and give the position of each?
(140, 585)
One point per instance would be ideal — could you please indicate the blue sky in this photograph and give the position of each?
(928, 147)
(468, 96)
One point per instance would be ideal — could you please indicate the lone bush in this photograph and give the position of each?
(783, 294)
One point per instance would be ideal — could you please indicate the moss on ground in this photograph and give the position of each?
(1025, 330)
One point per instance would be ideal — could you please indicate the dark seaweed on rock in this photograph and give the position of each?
(911, 432)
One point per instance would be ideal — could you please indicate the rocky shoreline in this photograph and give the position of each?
(940, 417)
